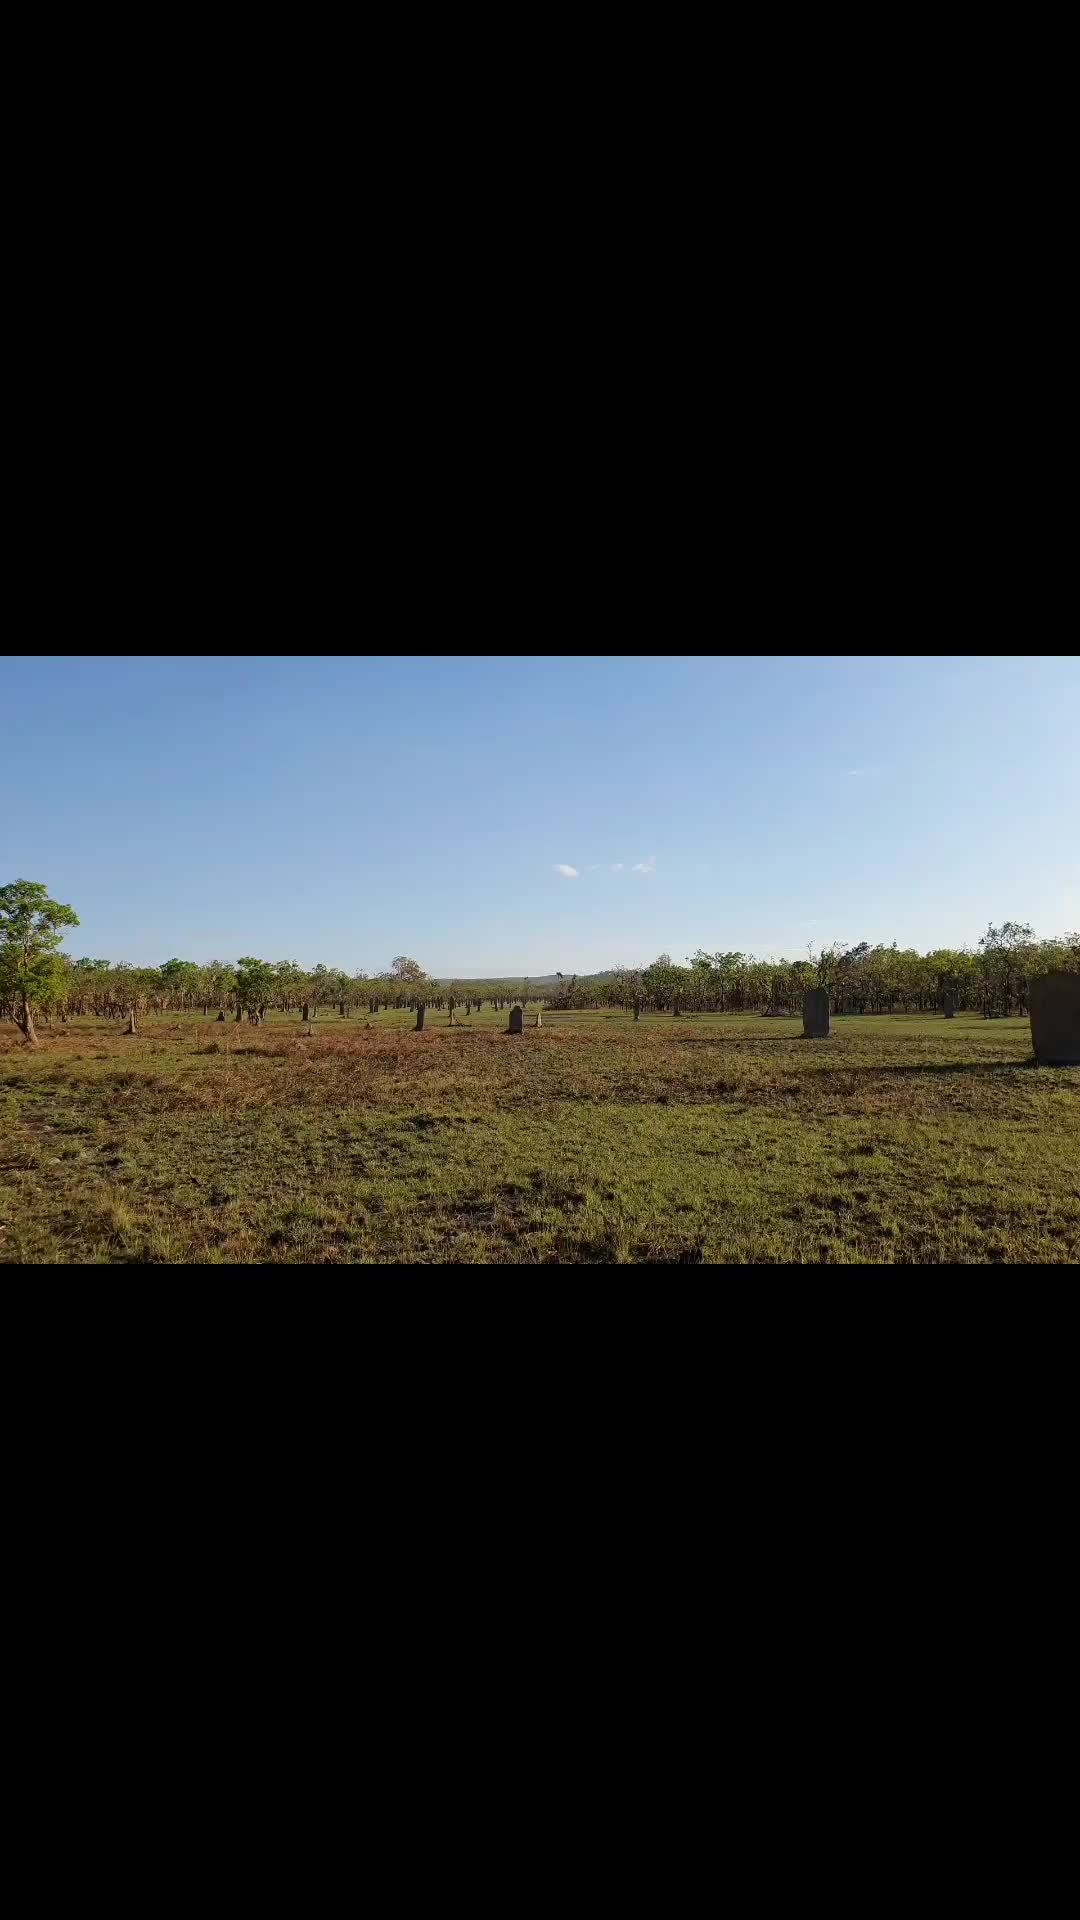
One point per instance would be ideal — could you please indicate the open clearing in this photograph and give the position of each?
(712, 1138)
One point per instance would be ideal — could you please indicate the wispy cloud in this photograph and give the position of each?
(613, 866)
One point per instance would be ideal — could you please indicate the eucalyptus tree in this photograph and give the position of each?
(84, 983)
(51, 992)
(253, 984)
(408, 981)
(134, 989)
(341, 987)
(181, 980)
(952, 969)
(320, 987)
(717, 977)
(626, 986)
(714, 979)
(1005, 953)
(216, 984)
(657, 981)
(31, 970)
(682, 989)
(289, 982)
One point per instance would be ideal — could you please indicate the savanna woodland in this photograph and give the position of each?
(258, 1110)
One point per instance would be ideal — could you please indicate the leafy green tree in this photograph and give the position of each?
(87, 984)
(1005, 952)
(321, 985)
(659, 981)
(1062, 954)
(213, 984)
(626, 987)
(253, 985)
(289, 981)
(408, 982)
(31, 970)
(141, 985)
(181, 978)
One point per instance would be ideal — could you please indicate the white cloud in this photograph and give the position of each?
(593, 866)
(645, 866)
(568, 873)
(618, 867)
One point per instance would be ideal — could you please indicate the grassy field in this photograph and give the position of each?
(725, 1138)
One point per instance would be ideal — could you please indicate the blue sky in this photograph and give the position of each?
(347, 810)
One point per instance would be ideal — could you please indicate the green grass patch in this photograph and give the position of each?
(593, 1139)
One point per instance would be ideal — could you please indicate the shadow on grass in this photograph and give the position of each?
(936, 1067)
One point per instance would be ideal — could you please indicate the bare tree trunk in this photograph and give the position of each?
(131, 1027)
(24, 1020)
(239, 1015)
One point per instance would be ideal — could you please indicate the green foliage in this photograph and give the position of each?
(860, 978)
(253, 983)
(288, 981)
(31, 971)
(182, 980)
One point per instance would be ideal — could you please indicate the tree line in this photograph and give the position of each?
(991, 979)
(38, 980)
